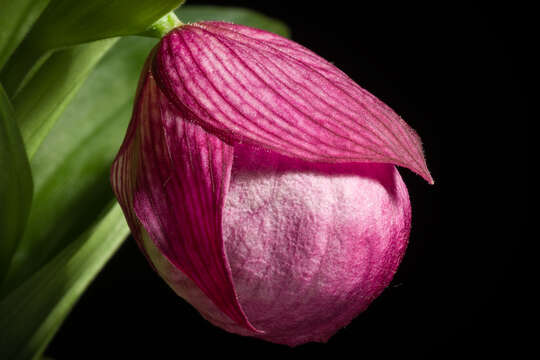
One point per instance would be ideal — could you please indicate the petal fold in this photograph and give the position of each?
(248, 85)
(171, 178)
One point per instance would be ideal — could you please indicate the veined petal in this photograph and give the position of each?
(248, 85)
(171, 178)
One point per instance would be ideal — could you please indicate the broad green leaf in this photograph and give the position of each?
(16, 18)
(66, 23)
(39, 104)
(15, 184)
(194, 13)
(71, 167)
(32, 313)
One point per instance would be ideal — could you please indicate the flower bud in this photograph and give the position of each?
(259, 181)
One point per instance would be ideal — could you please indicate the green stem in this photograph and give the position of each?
(163, 26)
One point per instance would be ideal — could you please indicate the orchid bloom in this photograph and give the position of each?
(260, 182)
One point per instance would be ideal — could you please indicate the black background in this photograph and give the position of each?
(451, 73)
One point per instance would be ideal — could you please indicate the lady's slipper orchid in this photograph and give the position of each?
(259, 181)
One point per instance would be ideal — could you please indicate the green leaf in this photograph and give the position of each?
(15, 184)
(32, 313)
(194, 13)
(71, 167)
(39, 104)
(66, 23)
(16, 18)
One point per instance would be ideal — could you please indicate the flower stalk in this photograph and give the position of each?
(163, 26)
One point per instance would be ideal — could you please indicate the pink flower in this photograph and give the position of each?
(259, 181)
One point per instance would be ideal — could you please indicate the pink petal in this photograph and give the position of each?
(248, 85)
(311, 245)
(171, 178)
